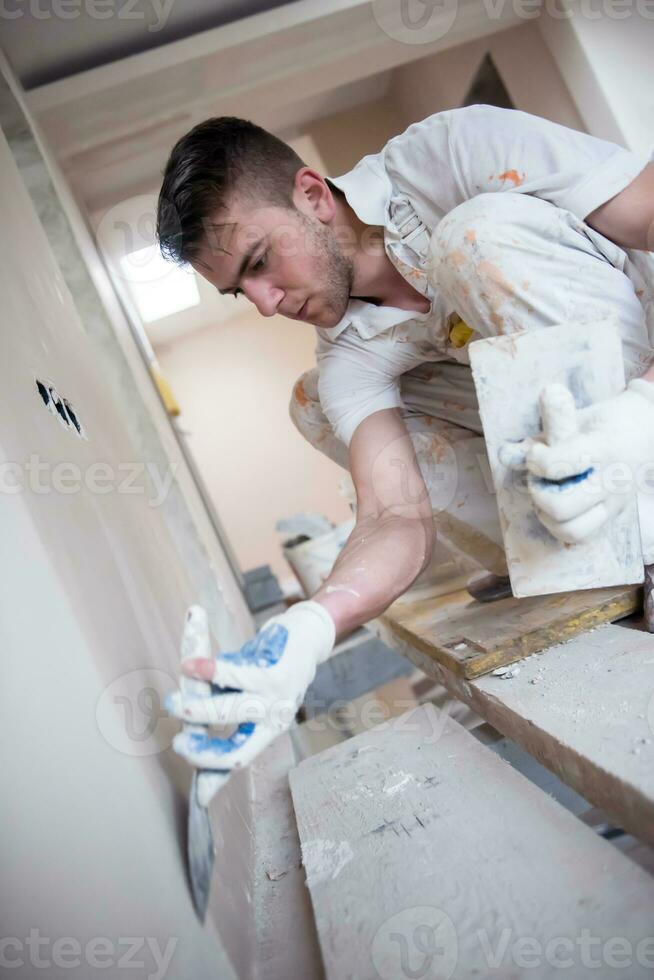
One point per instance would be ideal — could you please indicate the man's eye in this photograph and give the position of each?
(256, 267)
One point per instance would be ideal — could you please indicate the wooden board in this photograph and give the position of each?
(472, 638)
(510, 373)
(284, 942)
(584, 709)
(419, 842)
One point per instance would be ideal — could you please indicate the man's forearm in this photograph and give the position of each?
(381, 559)
(628, 218)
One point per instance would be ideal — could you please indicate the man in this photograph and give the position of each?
(475, 222)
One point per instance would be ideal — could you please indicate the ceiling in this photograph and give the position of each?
(111, 126)
(44, 48)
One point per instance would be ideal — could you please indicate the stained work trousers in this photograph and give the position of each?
(505, 263)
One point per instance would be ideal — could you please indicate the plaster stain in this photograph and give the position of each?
(341, 588)
(576, 383)
(324, 860)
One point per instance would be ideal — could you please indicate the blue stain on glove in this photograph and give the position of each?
(264, 650)
(566, 482)
(199, 742)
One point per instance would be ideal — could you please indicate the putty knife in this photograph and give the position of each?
(196, 642)
(509, 374)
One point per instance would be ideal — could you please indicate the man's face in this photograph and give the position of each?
(286, 262)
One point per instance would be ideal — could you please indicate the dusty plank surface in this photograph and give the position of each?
(584, 709)
(284, 942)
(428, 855)
(471, 638)
(587, 359)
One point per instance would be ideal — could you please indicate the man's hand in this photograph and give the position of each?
(582, 468)
(259, 688)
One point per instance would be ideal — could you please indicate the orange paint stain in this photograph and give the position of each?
(495, 281)
(497, 321)
(512, 175)
(300, 395)
(457, 257)
(439, 449)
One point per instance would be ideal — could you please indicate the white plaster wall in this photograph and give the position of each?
(523, 60)
(233, 381)
(343, 138)
(605, 51)
(92, 590)
(126, 374)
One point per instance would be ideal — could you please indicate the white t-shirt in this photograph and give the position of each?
(407, 189)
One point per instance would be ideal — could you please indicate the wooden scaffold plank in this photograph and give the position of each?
(425, 851)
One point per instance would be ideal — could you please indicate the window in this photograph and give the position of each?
(158, 287)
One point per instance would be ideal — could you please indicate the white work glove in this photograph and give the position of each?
(593, 453)
(259, 688)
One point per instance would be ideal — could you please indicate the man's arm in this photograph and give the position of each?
(392, 540)
(485, 149)
(628, 218)
(260, 686)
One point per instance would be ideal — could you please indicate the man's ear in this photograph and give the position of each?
(312, 195)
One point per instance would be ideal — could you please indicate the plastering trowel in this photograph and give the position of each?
(196, 642)
(510, 372)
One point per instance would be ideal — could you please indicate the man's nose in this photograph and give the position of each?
(265, 297)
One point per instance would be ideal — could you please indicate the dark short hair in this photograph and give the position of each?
(207, 166)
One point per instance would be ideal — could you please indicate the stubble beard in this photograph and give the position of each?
(334, 272)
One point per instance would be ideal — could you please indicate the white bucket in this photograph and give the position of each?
(313, 560)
